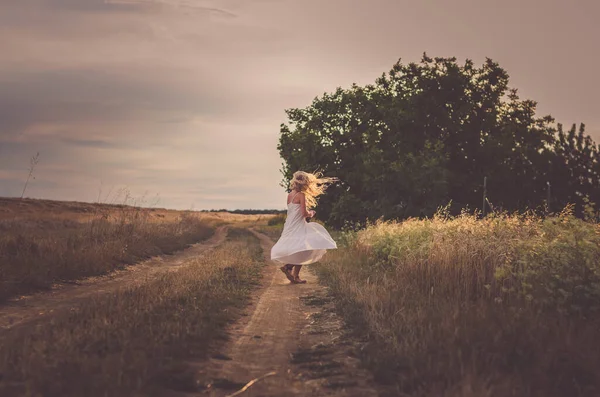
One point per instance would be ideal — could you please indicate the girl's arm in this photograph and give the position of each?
(305, 213)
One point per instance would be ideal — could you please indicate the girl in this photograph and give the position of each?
(301, 242)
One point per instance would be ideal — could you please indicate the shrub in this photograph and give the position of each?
(455, 306)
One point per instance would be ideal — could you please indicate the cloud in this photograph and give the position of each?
(186, 5)
(76, 97)
(111, 6)
(77, 5)
(184, 98)
(91, 143)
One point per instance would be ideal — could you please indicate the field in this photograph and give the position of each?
(43, 242)
(506, 306)
(116, 343)
(117, 300)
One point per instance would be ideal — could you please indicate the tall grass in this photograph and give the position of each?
(505, 306)
(273, 226)
(277, 220)
(37, 251)
(126, 343)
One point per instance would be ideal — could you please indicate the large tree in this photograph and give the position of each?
(427, 133)
(575, 169)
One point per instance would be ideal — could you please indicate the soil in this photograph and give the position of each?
(290, 343)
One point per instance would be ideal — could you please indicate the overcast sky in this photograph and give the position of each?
(183, 99)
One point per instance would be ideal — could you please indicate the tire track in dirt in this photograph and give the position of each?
(67, 296)
(292, 342)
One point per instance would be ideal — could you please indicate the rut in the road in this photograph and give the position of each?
(290, 344)
(65, 297)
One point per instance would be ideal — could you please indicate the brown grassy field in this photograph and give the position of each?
(133, 341)
(12, 209)
(43, 242)
(273, 227)
(506, 306)
(448, 307)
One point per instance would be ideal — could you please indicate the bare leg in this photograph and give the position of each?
(296, 274)
(287, 270)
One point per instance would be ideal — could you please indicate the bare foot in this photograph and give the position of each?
(287, 273)
(297, 280)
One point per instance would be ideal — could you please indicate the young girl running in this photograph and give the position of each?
(302, 242)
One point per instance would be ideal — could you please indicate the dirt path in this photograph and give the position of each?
(66, 296)
(291, 340)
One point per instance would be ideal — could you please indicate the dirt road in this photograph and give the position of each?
(66, 296)
(291, 342)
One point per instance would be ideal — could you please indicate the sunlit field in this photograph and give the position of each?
(137, 339)
(273, 226)
(447, 306)
(457, 306)
(44, 242)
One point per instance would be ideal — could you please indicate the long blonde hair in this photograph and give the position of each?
(312, 185)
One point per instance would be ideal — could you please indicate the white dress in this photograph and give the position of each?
(301, 242)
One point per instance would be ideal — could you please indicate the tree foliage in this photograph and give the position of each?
(426, 134)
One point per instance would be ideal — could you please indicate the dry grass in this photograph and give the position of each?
(273, 231)
(113, 346)
(507, 306)
(39, 248)
(277, 220)
(271, 225)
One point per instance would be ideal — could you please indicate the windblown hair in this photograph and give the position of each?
(312, 185)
